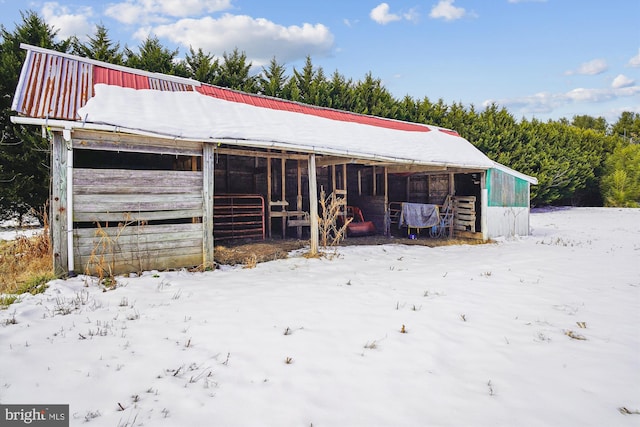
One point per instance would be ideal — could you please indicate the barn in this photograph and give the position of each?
(149, 171)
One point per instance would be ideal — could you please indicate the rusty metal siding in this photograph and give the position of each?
(169, 86)
(54, 87)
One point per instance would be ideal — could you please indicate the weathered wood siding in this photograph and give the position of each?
(123, 203)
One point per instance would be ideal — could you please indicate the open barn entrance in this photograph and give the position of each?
(262, 194)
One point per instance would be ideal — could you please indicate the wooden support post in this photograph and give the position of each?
(333, 178)
(227, 181)
(283, 190)
(313, 206)
(344, 177)
(387, 218)
(484, 206)
(375, 192)
(269, 197)
(207, 214)
(359, 182)
(58, 205)
(408, 188)
(299, 197)
(452, 184)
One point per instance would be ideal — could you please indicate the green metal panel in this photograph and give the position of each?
(506, 190)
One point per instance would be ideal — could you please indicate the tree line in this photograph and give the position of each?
(582, 161)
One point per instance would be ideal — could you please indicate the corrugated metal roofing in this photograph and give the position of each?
(283, 105)
(119, 78)
(56, 85)
(132, 80)
(53, 87)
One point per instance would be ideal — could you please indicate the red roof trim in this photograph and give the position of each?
(283, 105)
(449, 132)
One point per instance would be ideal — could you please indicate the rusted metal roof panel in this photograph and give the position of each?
(119, 78)
(53, 87)
(279, 104)
(167, 85)
(136, 81)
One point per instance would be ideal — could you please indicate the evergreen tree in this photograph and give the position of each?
(621, 181)
(320, 89)
(201, 67)
(304, 82)
(587, 122)
(272, 80)
(341, 92)
(154, 57)
(24, 161)
(234, 72)
(100, 47)
(628, 127)
(372, 98)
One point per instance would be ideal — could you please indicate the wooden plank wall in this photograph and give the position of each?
(123, 202)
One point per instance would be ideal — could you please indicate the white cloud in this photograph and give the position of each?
(127, 13)
(622, 81)
(67, 23)
(447, 11)
(635, 61)
(381, 14)
(259, 38)
(412, 15)
(546, 102)
(591, 68)
(157, 11)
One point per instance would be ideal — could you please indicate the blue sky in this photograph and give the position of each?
(546, 59)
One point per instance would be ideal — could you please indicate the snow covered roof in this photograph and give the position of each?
(95, 93)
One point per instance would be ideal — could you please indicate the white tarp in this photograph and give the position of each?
(196, 116)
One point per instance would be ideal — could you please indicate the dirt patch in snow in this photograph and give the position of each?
(248, 253)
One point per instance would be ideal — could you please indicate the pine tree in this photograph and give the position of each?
(201, 67)
(100, 47)
(24, 173)
(154, 57)
(234, 72)
(272, 80)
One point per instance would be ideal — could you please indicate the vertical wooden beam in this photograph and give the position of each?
(283, 188)
(484, 206)
(299, 197)
(408, 189)
(375, 190)
(344, 177)
(227, 181)
(194, 168)
(269, 196)
(452, 184)
(313, 205)
(333, 178)
(207, 212)
(387, 218)
(58, 204)
(359, 182)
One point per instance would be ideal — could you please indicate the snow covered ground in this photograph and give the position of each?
(10, 229)
(535, 331)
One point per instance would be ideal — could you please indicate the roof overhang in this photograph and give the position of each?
(508, 170)
(332, 156)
